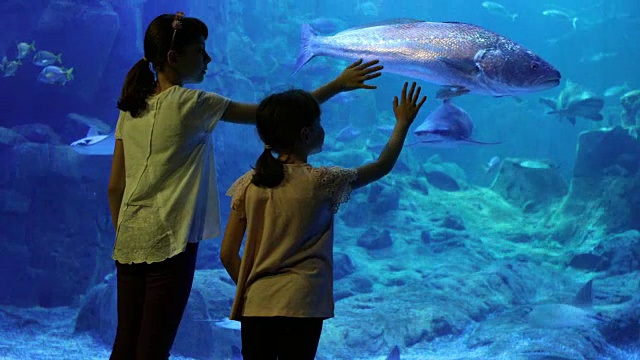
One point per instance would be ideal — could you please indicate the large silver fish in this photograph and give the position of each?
(464, 58)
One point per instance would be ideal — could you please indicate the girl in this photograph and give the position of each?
(286, 207)
(162, 191)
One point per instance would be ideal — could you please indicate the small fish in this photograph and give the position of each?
(615, 90)
(46, 58)
(492, 164)
(536, 164)
(55, 75)
(11, 67)
(561, 14)
(463, 58)
(597, 57)
(3, 63)
(349, 133)
(24, 49)
(447, 125)
(498, 9)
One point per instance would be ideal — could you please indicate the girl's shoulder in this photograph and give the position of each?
(331, 174)
(240, 184)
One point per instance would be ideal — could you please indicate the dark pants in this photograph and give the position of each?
(151, 301)
(282, 338)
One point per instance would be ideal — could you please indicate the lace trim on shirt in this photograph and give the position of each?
(336, 181)
(237, 191)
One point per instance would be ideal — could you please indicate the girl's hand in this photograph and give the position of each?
(408, 107)
(355, 75)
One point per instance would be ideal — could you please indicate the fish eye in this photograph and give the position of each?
(534, 66)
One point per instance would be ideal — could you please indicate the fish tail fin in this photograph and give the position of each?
(513, 17)
(574, 22)
(59, 58)
(69, 73)
(306, 40)
(32, 46)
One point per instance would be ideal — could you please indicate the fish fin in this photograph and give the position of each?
(92, 132)
(398, 21)
(305, 54)
(448, 92)
(394, 354)
(549, 102)
(513, 17)
(584, 297)
(466, 67)
(58, 58)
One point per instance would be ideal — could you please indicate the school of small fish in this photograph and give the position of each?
(50, 73)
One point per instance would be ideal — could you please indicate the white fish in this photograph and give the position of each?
(11, 67)
(492, 164)
(55, 75)
(498, 9)
(45, 58)
(24, 49)
(561, 14)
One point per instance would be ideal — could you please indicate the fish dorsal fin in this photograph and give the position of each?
(92, 132)
(398, 21)
(584, 297)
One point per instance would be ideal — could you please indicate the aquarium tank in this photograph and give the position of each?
(508, 229)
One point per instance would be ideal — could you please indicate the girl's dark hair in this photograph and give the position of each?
(279, 120)
(140, 82)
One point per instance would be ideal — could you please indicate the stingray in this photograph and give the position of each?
(447, 126)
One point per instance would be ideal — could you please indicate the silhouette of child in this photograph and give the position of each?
(285, 206)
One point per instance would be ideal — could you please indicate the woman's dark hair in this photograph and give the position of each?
(159, 39)
(279, 120)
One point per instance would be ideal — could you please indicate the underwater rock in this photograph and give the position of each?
(620, 252)
(605, 188)
(374, 239)
(603, 152)
(529, 184)
(10, 138)
(13, 202)
(342, 265)
(453, 222)
(382, 199)
(38, 133)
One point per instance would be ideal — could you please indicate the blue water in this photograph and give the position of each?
(444, 258)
